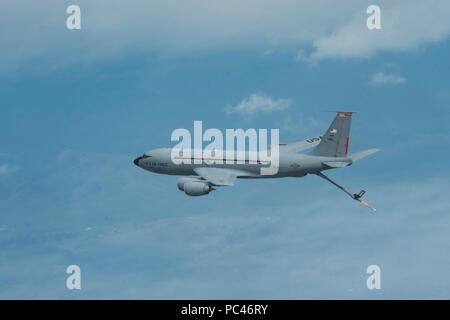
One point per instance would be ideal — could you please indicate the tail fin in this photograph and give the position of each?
(335, 141)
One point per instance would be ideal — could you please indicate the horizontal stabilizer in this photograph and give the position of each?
(362, 154)
(336, 164)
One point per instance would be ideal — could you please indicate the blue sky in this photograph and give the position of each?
(78, 106)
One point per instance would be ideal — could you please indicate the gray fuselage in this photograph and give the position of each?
(290, 165)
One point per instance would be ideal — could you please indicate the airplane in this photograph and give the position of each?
(330, 152)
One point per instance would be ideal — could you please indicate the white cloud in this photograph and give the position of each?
(257, 103)
(7, 169)
(382, 78)
(406, 25)
(115, 28)
(111, 28)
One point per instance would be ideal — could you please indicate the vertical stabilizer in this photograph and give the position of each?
(335, 141)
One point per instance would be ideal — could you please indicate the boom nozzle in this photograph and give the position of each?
(357, 196)
(354, 196)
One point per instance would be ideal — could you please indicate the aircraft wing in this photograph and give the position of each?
(298, 146)
(220, 176)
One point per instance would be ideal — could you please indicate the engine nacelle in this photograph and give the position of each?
(194, 188)
(182, 181)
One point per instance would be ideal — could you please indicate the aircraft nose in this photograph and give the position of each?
(136, 161)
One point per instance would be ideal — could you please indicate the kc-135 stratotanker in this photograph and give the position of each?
(200, 178)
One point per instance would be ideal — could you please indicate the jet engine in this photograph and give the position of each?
(193, 187)
(197, 188)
